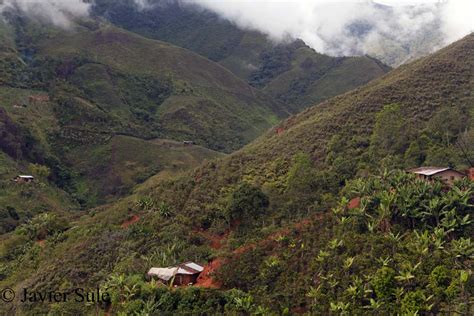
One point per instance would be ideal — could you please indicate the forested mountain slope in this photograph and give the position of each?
(291, 72)
(67, 94)
(418, 114)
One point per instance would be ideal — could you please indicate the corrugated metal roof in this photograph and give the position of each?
(26, 177)
(428, 171)
(185, 268)
(185, 271)
(163, 273)
(194, 266)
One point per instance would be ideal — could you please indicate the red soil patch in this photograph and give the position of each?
(41, 243)
(131, 221)
(354, 203)
(205, 278)
(215, 240)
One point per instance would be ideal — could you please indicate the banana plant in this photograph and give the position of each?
(322, 255)
(340, 307)
(149, 307)
(407, 274)
(421, 243)
(244, 303)
(449, 221)
(438, 236)
(348, 263)
(335, 243)
(384, 261)
(433, 208)
(130, 292)
(462, 249)
(356, 289)
(374, 305)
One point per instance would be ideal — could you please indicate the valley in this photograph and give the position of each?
(267, 178)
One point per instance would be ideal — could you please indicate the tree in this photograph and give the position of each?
(248, 202)
(301, 181)
(465, 144)
(446, 125)
(416, 153)
(390, 132)
(39, 171)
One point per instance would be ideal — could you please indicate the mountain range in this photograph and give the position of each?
(163, 136)
(289, 176)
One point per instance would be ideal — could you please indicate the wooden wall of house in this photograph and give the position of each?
(185, 279)
(449, 176)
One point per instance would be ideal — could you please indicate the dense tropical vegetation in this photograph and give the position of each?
(315, 216)
(406, 248)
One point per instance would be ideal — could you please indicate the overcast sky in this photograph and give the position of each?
(322, 24)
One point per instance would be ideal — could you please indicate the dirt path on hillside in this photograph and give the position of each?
(132, 220)
(206, 280)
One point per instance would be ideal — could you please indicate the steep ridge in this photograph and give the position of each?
(338, 135)
(196, 84)
(293, 73)
(71, 92)
(291, 172)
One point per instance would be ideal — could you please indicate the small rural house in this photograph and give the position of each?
(35, 99)
(447, 175)
(188, 143)
(24, 179)
(470, 173)
(183, 274)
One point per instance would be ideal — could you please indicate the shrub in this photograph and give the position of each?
(248, 202)
(384, 283)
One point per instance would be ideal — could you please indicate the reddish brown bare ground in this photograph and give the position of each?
(131, 221)
(205, 278)
(354, 203)
(41, 243)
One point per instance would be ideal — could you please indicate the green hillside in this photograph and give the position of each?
(292, 73)
(298, 76)
(121, 64)
(262, 214)
(67, 95)
(114, 168)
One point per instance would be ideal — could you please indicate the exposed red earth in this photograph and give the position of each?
(132, 220)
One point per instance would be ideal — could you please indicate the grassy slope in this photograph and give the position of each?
(196, 81)
(43, 196)
(421, 88)
(314, 78)
(103, 81)
(197, 199)
(115, 167)
(245, 53)
(21, 202)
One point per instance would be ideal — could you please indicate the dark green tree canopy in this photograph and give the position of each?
(247, 202)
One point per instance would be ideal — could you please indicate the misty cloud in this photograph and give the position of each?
(57, 12)
(350, 27)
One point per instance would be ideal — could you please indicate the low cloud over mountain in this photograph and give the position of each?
(58, 12)
(348, 27)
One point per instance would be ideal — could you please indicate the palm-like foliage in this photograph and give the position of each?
(420, 225)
